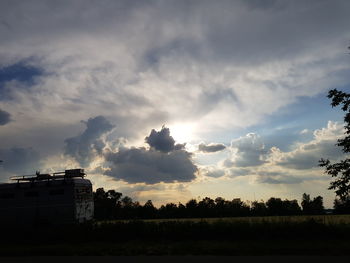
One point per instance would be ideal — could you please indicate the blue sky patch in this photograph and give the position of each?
(20, 72)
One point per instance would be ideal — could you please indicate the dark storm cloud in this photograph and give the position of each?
(86, 145)
(162, 141)
(5, 117)
(210, 148)
(20, 160)
(139, 165)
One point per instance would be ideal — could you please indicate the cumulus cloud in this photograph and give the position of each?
(247, 151)
(307, 155)
(304, 131)
(5, 117)
(137, 165)
(20, 160)
(162, 141)
(84, 147)
(210, 148)
(164, 161)
(274, 166)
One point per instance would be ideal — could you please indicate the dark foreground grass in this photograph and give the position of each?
(220, 237)
(204, 247)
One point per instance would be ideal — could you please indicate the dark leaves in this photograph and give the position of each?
(340, 170)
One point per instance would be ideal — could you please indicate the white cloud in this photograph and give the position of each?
(307, 155)
(212, 171)
(247, 151)
(304, 131)
(273, 166)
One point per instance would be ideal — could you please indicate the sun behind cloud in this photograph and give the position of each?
(183, 132)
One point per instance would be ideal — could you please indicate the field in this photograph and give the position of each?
(324, 219)
(296, 235)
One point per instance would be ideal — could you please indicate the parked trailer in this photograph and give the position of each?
(61, 198)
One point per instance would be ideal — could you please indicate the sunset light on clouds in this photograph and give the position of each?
(172, 100)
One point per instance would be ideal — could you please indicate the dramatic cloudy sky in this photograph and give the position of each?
(172, 100)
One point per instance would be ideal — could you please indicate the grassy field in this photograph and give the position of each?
(323, 219)
(295, 235)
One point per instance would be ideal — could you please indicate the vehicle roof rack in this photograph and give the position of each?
(47, 177)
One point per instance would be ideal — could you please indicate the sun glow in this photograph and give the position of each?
(183, 132)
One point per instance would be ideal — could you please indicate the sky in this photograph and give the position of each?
(173, 100)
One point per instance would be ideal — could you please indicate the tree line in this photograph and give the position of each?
(112, 205)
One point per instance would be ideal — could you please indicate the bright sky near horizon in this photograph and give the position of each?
(172, 100)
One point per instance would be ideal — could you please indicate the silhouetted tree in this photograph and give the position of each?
(100, 210)
(291, 207)
(222, 207)
(113, 195)
(181, 210)
(127, 208)
(340, 170)
(127, 202)
(168, 211)
(206, 207)
(274, 206)
(148, 210)
(258, 208)
(341, 206)
(239, 208)
(306, 203)
(317, 205)
(312, 207)
(191, 207)
(106, 203)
